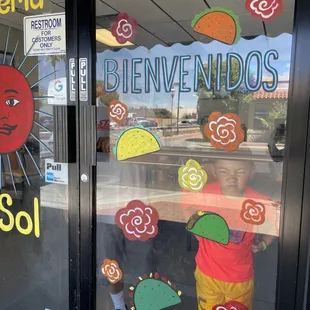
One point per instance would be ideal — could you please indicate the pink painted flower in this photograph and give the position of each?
(231, 305)
(118, 111)
(138, 221)
(264, 9)
(124, 29)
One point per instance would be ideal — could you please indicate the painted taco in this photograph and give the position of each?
(219, 24)
(153, 293)
(136, 141)
(210, 226)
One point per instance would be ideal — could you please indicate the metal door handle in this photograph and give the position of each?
(64, 134)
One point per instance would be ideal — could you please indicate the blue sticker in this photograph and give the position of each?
(50, 176)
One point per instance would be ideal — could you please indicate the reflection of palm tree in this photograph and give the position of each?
(105, 97)
(54, 59)
(278, 112)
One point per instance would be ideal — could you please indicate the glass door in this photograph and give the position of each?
(192, 108)
(34, 165)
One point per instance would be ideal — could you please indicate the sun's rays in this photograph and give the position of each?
(14, 52)
(33, 160)
(36, 83)
(31, 70)
(6, 159)
(11, 173)
(43, 113)
(43, 144)
(43, 98)
(41, 126)
(26, 56)
(6, 45)
(0, 171)
(22, 167)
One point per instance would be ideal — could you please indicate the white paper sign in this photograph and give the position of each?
(49, 33)
(57, 92)
(56, 172)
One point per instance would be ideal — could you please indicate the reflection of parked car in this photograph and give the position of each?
(51, 139)
(147, 123)
(113, 125)
(130, 122)
(140, 118)
(144, 123)
(187, 123)
(48, 123)
(153, 123)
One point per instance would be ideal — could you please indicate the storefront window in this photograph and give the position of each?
(192, 108)
(33, 187)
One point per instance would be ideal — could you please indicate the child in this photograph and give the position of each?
(225, 272)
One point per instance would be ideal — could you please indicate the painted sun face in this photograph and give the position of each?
(16, 109)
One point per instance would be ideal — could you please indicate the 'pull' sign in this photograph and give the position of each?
(72, 78)
(83, 79)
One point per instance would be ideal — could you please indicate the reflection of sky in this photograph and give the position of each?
(46, 68)
(262, 44)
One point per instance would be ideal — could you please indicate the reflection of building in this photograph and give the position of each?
(261, 105)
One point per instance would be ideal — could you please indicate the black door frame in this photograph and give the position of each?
(301, 90)
(294, 258)
(293, 251)
(81, 43)
(81, 144)
(73, 143)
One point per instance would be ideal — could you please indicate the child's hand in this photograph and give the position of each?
(259, 247)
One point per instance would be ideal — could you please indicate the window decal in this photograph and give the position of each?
(224, 131)
(14, 220)
(138, 221)
(112, 271)
(136, 141)
(153, 293)
(209, 226)
(218, 24)
(136, 75)
(118, 111)
(17, 113)
(265, 10)
(7, 6)
(192, 177)
(253, 212)
(231, 305)
(124, 29)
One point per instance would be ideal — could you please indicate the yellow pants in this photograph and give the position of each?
(211, 292)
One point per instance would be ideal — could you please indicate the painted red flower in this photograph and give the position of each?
(253, 212)
(124, 29)
(138, 221)
(224, 131)
(231, 305)
(264, 9)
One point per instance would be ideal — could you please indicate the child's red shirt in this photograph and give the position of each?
(232, 262)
